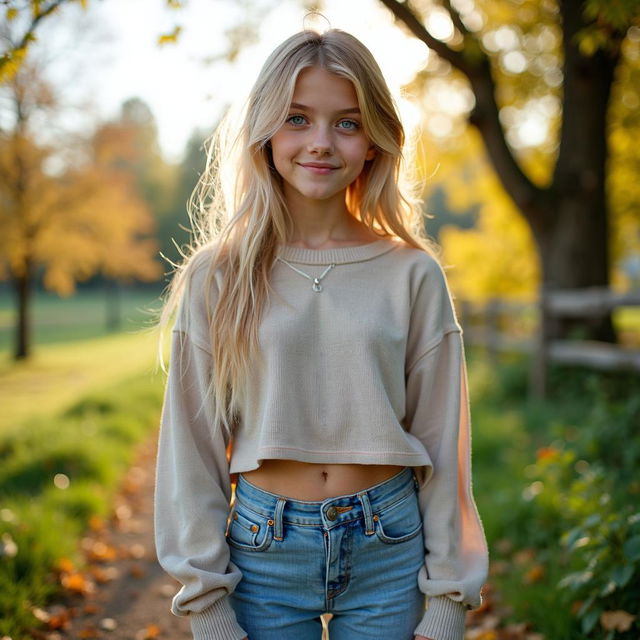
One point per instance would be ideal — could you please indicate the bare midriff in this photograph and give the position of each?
(312, 482)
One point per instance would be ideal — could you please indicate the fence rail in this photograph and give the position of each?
(511, 326)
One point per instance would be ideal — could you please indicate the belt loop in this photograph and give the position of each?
(368, 516)
(277, 519)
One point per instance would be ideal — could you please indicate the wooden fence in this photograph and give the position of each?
(507, 326)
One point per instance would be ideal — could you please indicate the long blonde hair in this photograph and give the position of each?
(239, 215)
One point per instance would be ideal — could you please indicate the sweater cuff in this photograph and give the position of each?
(443, 620)
(217, 622)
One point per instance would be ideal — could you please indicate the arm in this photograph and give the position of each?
(193, 487)
(192, 498)
(437, 414)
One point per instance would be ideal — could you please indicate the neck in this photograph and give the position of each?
(318, 222)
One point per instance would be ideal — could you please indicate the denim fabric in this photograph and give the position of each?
(356, 556)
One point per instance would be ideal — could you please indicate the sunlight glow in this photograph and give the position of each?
(194, 94)
(439, 24)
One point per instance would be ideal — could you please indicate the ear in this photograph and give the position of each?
(371, 153)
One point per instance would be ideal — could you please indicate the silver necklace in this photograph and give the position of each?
(316, 286)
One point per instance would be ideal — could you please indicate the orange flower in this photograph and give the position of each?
(546, 452)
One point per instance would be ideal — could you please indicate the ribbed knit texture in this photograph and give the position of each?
(218, 622)
(443, 620)
(370, 370)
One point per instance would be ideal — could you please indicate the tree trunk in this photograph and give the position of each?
(22, 287)
(573, 240)
(114, 305)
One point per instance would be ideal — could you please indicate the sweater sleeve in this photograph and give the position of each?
(192, 495)
(456, 555)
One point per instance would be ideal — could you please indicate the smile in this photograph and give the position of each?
(318, 168)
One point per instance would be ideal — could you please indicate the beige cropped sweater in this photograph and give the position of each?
(369, 370)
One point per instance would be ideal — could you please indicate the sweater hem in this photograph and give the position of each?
(332, 457)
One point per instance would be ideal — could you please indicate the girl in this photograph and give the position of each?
(316, 354)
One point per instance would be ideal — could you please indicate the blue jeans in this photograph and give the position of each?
(356, 556)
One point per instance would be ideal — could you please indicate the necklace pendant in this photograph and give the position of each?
(317, 287)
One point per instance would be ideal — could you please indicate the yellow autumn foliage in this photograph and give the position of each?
(74, 225)
(496, 258)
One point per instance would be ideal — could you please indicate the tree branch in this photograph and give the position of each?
(6, 58)
(485, 115)
(456, 19)
(402, 11)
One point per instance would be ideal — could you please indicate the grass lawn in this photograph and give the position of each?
(73, 353)
(78, 317)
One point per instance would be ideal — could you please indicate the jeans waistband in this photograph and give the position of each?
(327, 513)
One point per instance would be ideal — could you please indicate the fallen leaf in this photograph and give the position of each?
(489, 621)
(101, 552)
(137, 571)
(167, 590)
(616, 620)
(77, 583)
(481, 634)
(88, 632)
(102, 575)
(40, 614)
(65, 565)
(96, 523)
(108, 624)
(152, 631)
(516, 630)
(59, 618)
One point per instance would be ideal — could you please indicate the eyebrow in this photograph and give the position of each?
(297, 105)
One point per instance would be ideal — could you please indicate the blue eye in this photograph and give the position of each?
(296, 120)
(351, 125)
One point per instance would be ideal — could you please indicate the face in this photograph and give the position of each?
(321, 148)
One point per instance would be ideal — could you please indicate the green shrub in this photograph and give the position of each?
(564, 493)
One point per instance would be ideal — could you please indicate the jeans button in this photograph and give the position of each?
(332, 513)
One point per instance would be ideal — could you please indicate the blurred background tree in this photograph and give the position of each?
(74, 222)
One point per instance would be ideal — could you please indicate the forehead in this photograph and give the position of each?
(315, 86)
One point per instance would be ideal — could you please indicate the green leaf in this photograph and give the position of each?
(608, 588)
(622, 575)
(632, 548)
(575, 580)
(589, 621)
(593, 519)
(573, 536)
(586, 605)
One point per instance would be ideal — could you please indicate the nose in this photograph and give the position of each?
(320, 141)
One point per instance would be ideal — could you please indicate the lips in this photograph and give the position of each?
(319, 168)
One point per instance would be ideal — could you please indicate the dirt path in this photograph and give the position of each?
(129, 596)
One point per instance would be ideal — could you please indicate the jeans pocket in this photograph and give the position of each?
(249, 531)
(400, 521)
